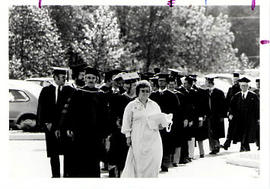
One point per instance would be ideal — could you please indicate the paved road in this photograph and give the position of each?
(27, 158)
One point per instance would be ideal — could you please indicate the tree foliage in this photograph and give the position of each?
(34, 44)
(102, 46)
(203, 43)
(124, 37)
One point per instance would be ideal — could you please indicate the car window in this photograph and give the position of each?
(17, 96)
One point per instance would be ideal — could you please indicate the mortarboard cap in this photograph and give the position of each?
(110, 74)
(59, 70)
(189, 79)
(147, 75)
(153, 78)
(193, 76)
(171, 79)
(78, 67)
(235, 74)
(157, 70)
(89, 70)
(130, 76)
(118, 77)
(244, 80)
(210, 79)
(162, 75)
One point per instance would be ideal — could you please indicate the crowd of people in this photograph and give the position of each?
(109, 123)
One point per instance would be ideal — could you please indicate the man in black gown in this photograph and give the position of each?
(50, 104)
(244, 112)
(215, 115)
(168, 103)
(231, 92)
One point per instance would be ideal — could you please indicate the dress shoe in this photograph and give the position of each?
(202, 156)
(184, 161)
(164, 169)
(226, 144)
(175, 165)
(214, 152)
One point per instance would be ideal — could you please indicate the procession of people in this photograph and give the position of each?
(94, 121)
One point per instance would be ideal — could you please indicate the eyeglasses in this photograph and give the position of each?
(145, 91)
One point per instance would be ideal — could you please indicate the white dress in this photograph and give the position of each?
(145, 153)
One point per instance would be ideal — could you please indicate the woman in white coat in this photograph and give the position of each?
(144, 141)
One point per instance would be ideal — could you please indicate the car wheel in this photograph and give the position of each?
(27, 123)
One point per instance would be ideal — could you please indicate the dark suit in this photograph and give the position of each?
(49, 111)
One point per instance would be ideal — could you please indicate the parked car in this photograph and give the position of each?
(45, 81)
(42, 81)
(23, 102)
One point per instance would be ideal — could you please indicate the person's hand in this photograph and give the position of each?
(185, 123)
(70, 134)
(190, 123)
(200, 123)
(57, 134)
(128, 141)
(230, 117)
(118, 122)
(49, 126)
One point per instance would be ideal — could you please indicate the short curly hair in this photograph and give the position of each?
(142, 84)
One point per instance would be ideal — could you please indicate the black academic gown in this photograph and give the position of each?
(201, 133)
(118, 148)
(50, 112)
(216, 113)
(245, 117)
(88, 121)
(190, 111)
(177, 129)
(168, 103)
(231, 92)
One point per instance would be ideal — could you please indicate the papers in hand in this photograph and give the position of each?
(165, 120)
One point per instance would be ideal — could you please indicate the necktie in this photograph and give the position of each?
(210, 99)
(58, 93)
(243, 96)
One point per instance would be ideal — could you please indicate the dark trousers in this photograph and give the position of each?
(69, 166)
(55, 166)
(166, 160)
(228, 141)
(244, 147)
(184, 151)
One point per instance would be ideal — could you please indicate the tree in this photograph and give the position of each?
(202, 43)
(149, 28)
(101, 46)
(245, 26)
(34, 44)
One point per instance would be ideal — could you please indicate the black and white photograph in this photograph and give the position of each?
(116, 91)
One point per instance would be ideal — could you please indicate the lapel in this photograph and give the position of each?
(52, 96)
(248, 97)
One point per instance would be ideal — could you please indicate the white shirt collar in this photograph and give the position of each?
(160, 90)
(245, 93)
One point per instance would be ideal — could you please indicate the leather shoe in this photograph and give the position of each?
(164, 169)
(175, 164)
(213, 152)
(202, 156)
